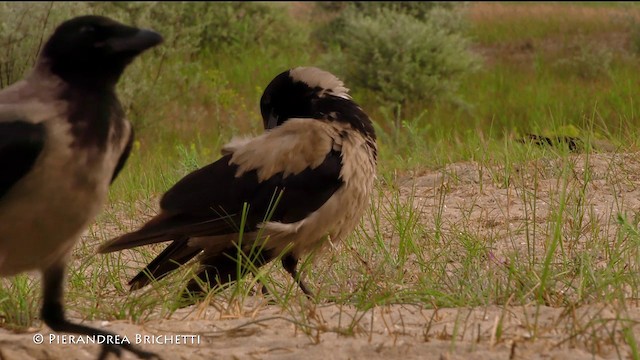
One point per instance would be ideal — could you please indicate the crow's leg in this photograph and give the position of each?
(289, 262)
(53, 315)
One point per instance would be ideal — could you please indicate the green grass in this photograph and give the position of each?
(438, 245)
(512, 22)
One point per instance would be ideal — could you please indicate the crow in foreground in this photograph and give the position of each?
(63, 140)
(309, 176)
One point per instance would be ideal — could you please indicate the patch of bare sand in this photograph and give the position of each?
(490, 205)
(395, 331)
(510, 206)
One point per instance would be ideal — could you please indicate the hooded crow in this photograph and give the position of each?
(63, 140)
(277, 195)
(574, 143)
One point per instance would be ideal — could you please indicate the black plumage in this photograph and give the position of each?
(316, 160)
(20, 145)
(574, 144)
(63, 140)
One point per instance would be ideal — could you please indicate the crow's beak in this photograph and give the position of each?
(142, 40)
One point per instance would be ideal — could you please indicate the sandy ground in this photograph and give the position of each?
(413, 331)
(474, 196)
(390, 332)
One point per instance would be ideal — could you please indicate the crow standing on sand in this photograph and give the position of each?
(63, 140)
(316, 160)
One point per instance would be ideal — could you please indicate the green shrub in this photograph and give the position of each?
(173, 78)
(26, 26)
(340, 11)
(589, 62)
(23, 29)
(216, 26)
(420, 10)
(400, 57)
(238, 25)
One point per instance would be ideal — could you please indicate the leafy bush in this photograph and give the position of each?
(420, 10)
(340, 11)
(239, 25)
(23, 29)
(589, 62)
(401, 57)
(165, 81)
(216, 26)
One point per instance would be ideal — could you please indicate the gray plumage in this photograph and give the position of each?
(63, 140)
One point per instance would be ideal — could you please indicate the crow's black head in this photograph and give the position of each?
(94, 50)
(309, 92)
(292, 93)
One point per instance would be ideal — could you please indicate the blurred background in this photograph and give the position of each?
(443, 81)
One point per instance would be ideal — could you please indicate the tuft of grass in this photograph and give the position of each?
(19, 304)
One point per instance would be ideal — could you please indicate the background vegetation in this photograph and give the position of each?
(443, 82)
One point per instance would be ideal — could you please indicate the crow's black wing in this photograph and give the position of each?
(20, 145)
(211, 200)
(123, 157)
